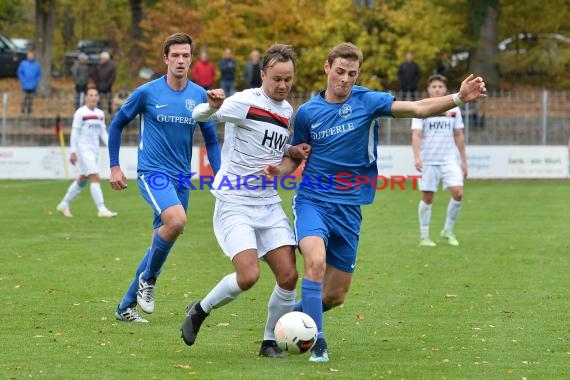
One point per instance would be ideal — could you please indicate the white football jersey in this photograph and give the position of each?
(87, 128)
(438, 137)
(256, 131)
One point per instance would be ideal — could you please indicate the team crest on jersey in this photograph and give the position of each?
(190, 104)
(345, 110)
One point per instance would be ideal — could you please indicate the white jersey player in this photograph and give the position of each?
(87, 129)
(249, 222)
(435, 142)
(256, 132)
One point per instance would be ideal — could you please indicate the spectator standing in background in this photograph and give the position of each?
(204, 71)
(80, 74)
(30, 75)
(443, 65)
(227, 66)
(409, 76)
(104, 76)
(120, 97)
(252, 71)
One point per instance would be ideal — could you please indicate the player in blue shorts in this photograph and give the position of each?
(164, 153)
(339, 176)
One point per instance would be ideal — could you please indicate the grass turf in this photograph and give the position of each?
(494, 308)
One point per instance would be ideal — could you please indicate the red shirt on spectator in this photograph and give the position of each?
(204, 72)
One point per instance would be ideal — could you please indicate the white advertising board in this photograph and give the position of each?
(485, 162)
(488, 162)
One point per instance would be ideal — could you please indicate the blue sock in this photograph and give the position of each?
(299, 306)
(311, 299)
(159, 252)
(131, 294)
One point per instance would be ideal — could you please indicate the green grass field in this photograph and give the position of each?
(494, 308)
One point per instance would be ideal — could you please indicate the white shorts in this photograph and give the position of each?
(449, 174)
(87, 163)
(240, 227)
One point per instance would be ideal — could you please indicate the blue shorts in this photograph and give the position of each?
(161, 192)
(338, 225)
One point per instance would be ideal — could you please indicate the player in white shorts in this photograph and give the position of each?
(435, 142)
(249, 222)
(87, 129)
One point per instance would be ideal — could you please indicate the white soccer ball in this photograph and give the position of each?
(296, 332)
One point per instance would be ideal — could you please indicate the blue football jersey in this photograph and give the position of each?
(166, 128)
(343, 137)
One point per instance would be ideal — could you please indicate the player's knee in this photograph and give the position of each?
(315, 268)
(457, 195)
(287, 279)
(177, 225)
(247, 280)
(334, 300)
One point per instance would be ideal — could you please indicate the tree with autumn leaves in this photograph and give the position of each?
(384, 30)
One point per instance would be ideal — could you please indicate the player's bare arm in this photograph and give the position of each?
(416, 141)
(282, 169)
(460, 143)
(117, 179)
(472, 88)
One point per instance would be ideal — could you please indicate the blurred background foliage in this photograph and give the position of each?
(467, 32)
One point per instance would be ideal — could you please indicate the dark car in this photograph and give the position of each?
(92, 48)
(10, 57)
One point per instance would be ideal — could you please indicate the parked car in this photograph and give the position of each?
(22, 43)
(546, 46)
(92, 48)
(10, 57)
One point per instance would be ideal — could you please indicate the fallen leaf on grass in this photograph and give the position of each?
(183, 366)
(333, 370)
(360, 316)
(450, 296)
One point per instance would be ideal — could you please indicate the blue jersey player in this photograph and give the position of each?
(164, 153)
(339, 124)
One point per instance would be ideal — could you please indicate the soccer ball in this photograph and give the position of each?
(296, 332)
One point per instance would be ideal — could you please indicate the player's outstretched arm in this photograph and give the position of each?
(471, 88)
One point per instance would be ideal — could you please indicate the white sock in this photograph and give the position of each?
(424, 213)
(97, 195)
(453, 210)
(72, 191)
(223, 293)
(281, 302)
